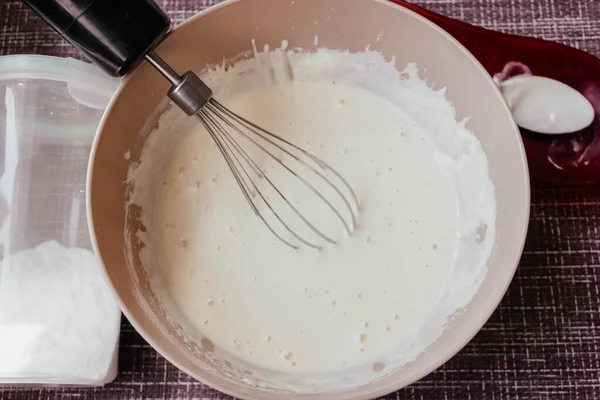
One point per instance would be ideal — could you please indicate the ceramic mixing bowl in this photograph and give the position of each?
(224, 32)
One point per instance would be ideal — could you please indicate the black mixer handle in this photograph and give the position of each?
(113, 34)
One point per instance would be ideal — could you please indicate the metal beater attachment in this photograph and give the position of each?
(262, 164)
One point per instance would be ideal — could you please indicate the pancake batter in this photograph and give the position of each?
(310, 310)
(382, 294)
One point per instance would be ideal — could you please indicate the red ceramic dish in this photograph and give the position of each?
(572, 159)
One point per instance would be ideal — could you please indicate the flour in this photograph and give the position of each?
(58, 319)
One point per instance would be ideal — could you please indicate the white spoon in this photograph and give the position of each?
(545, 105)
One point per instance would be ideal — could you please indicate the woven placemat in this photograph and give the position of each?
(543, 342)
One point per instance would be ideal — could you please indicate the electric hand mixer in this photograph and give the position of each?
(118, 34)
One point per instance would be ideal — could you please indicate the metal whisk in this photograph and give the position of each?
(194, 97)
(117, 35)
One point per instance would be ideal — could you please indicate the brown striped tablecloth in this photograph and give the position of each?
(543, 342)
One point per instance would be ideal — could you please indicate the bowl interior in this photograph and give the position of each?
(226, 31)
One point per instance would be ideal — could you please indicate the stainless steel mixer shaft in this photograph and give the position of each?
(188, 91)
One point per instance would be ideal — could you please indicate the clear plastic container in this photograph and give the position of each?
(49, 112)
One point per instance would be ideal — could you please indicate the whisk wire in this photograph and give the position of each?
(224, 135)
(217, 109)
(252, 126)
(230, 149)
(240, 181)
(262, 175)
(229, 142)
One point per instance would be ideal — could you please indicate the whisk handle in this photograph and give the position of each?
(113, 34)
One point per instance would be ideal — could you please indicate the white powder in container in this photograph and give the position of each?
(58, 319)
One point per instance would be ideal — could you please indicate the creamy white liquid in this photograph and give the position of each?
(380, 296)
(312, 310)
